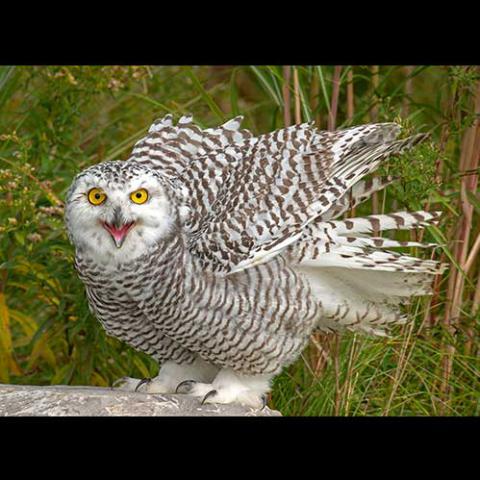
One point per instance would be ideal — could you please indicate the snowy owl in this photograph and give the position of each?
(218, 253)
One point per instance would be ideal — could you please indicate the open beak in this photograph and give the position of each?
(117, 229)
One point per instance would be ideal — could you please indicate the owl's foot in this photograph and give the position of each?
(171, 374)
(229, 387)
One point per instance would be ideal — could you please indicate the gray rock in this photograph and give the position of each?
(62, 400)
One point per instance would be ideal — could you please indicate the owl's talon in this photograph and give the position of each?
(264, 401)
(142, 382)
(119, 382)
(186, 383)
(211, 393)
(125, 384)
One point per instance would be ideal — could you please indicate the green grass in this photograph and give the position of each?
(55, 121)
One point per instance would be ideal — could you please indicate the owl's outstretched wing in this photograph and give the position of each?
(250, 198)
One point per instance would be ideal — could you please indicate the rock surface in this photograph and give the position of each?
(20, 400)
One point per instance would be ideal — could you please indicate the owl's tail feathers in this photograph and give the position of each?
(361, 300)
(360, 285)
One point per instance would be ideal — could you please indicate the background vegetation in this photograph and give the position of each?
(54, 121)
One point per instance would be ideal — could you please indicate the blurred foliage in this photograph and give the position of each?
(57, 120)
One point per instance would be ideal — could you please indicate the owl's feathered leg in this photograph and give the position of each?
(231, 387)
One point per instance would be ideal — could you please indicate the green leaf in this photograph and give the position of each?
(307, 112)
(268, 85)
(326, 97)
(442, 243)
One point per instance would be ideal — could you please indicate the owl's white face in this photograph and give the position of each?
(116, 211)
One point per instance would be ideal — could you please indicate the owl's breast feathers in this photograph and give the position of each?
(255, 321)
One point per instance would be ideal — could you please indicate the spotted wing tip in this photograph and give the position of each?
(159, 123)
(234, 123)
(185, 119)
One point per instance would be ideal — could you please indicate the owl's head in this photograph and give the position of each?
(117, 210)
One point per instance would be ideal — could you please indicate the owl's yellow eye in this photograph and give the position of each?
(139, 196)
(96, 196)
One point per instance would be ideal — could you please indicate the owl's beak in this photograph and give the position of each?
(118, 229)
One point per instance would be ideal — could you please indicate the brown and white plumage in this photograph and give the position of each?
(238, 256)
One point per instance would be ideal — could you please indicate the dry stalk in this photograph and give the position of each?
(350, 95)
(336, 366)
(349, 384)
(314, 100)
(287, 119)
(472, 256)
(320, 357)
(332, 118)
(296, 89)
